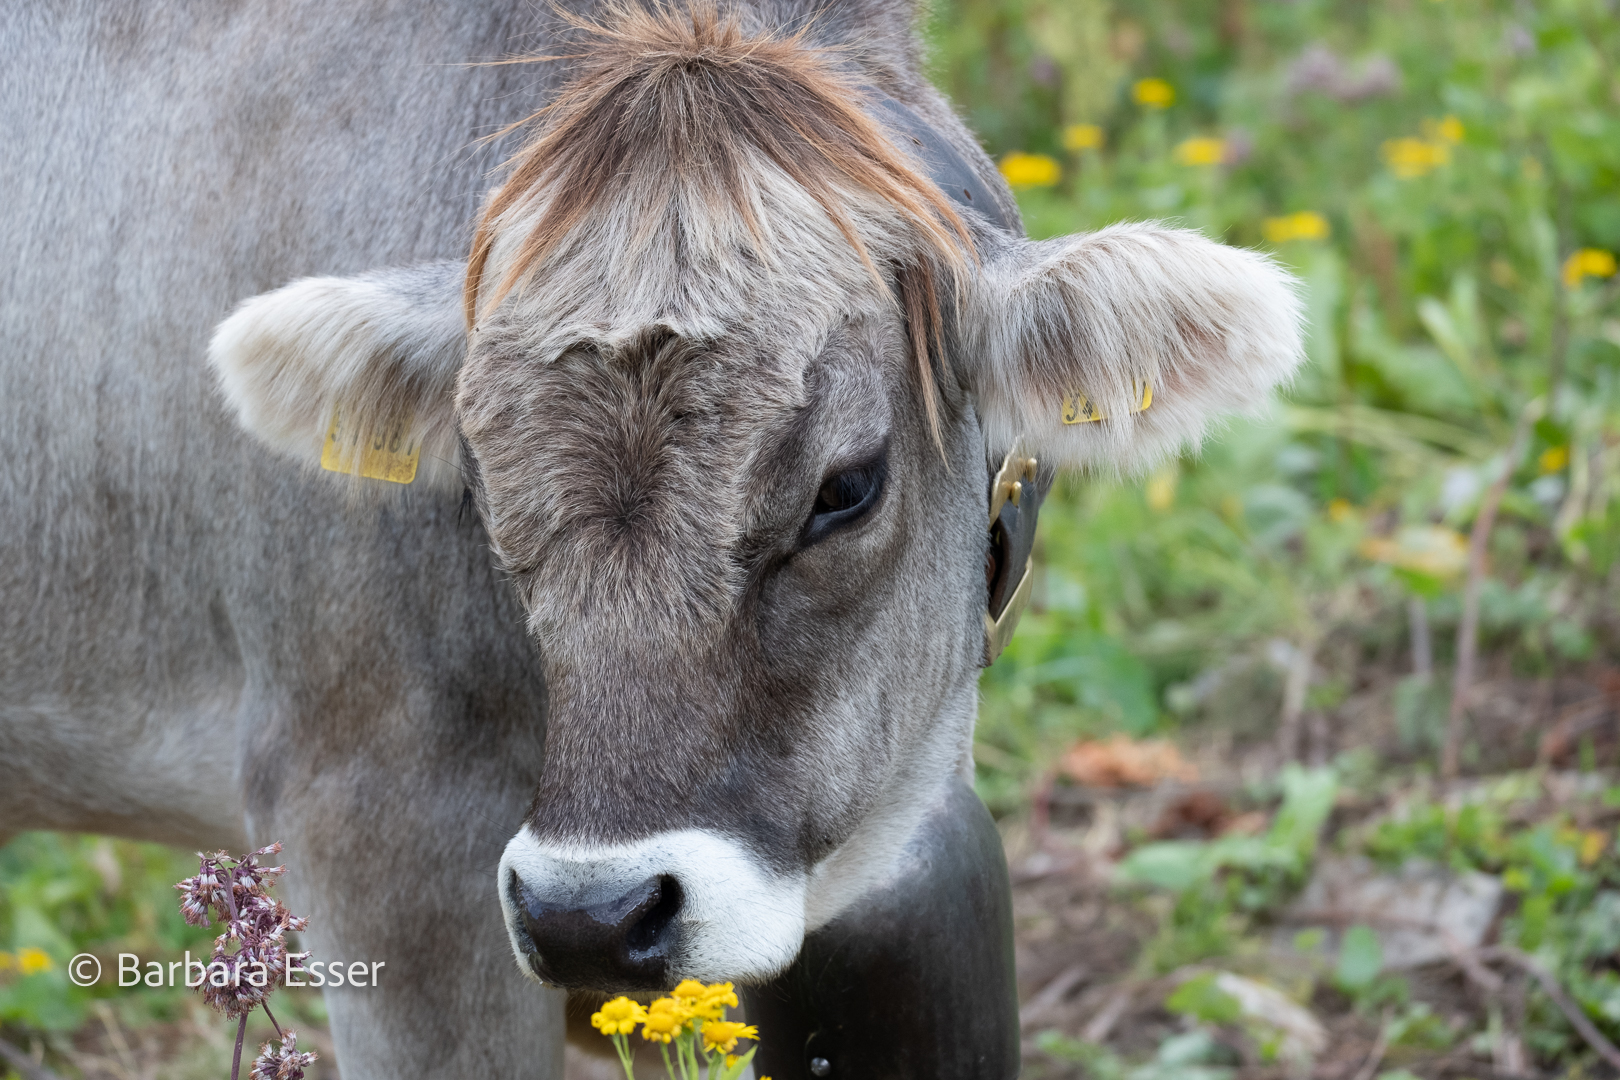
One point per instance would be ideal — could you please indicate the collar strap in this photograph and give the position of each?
(1018, 487)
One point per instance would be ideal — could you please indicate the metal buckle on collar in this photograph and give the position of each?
(1015, 499)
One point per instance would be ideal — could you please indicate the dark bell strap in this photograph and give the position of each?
(946, 167)
(1012, 534)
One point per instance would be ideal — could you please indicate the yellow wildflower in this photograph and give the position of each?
(1030, 170)
(721, 1035)
(1339, 509)
(688, 990)
(1082, 137)
(1553, 459)
(1449, 129)
(1303, 225)
(1588, 262)
(31, 961)
(720, 995)
(1201, 150)
(1154, 93)
(619, 1016)
(664, 1020)
(1410, 158)
(1592, 845)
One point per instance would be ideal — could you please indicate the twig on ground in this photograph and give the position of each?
(1572, 1012)
(1468, 630)
(1050, 994)
(1102, 1024)
(1375, 1056)
(20, 1060)
(1295, 687)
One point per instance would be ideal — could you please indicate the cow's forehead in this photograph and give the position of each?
(627, 472)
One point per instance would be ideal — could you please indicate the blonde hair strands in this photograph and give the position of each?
(667, 101)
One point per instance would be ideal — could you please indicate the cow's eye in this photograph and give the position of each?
(844, 498)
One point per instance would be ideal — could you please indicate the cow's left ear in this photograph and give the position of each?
(356, 374)
(1111, 350)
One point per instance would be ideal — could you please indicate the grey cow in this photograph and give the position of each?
(680, 614)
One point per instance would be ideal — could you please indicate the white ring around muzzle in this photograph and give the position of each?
(737, 922)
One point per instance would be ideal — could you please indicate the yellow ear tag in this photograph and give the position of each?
(1078, 410)
(388, 453)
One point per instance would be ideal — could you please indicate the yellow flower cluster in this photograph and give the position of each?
(1588, 262)
(1302, 225)
(1201, 150)
(1154, 93)
(27, 961)
(691, 1007)
(1030, 170)
(1082, 137)
(1410, 158)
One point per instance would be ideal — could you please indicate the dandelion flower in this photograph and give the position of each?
(721, 1035)
(1202, 150)
(1304, 225)
(1082, 137)
(1588, 262)
(1450, 129)
(31, 961)
(1154, 93)
(1410, 158)
(619, 1016)
(1030, 170)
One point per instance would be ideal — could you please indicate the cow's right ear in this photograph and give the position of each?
(324, 368)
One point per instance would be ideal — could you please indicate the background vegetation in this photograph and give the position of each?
(1444, 177)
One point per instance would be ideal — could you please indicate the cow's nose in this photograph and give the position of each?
(619, 944)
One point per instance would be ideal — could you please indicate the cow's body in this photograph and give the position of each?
(201, 644)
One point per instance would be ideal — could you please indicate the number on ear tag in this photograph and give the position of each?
(1078, 409)
(387, 453)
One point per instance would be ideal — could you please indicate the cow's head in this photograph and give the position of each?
(734, 370)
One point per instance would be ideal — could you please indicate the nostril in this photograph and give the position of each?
(649, 931)
(621, 943)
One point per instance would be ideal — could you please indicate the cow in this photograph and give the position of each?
(548, 496)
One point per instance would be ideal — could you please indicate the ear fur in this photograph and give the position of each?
(381, 347)
(1210, 328)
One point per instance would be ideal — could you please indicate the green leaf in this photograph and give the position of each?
(1361, 958)
(1176, 865)
(1201, 999)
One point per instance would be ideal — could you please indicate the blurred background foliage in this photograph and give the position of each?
(1444, 178)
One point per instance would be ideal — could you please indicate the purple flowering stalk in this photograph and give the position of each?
(236, 981)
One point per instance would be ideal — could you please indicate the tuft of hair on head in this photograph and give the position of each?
(684, 103)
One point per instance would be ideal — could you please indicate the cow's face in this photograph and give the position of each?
(748, 532)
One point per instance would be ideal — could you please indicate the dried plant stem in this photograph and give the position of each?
(1468, 631)
(1375, 1057)
(1295, 687)
(24, 1063)
(1417, 611)
(236, 1059)
(279, 1033)
(1572, 1012)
